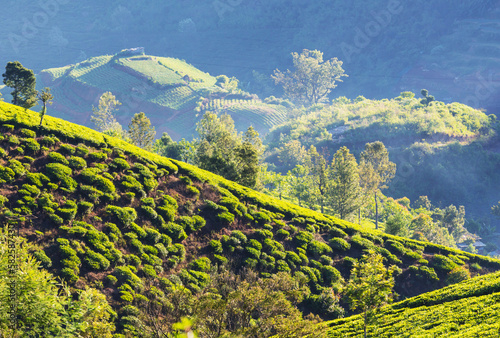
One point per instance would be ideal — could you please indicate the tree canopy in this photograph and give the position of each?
(23, 81)
(141, 132)
(313, 78)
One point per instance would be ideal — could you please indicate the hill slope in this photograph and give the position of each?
(466, 309)
(172, 93)
(448, 152)
(108, 214)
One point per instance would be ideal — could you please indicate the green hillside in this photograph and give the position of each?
(172, 93)
(138, 226)
(467, 309)
(448, 152)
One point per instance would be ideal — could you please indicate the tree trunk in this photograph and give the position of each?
(359, 216)
(376, 211)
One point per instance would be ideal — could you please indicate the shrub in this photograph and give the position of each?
(84, 207)
(175, 232)
(6, 175)
(90, 176)
(130, 183)
(17, 167)
(336, 232)
(427, 273)
(330, 275)
(69, 275)
(261, 217)
(317, 248)
(339, 244)
(225, 217)
(149, 271)
(252, 252)
(98, 157)
(31, 145)
(361, 243)
(125, 215)
(37, 179)
(167, 212)
(95, 260)
(282, 234)
(281, 265)
(42, 257)
(68, 210)
(91, 193)
(202, 264)
(326, 260)
(81, 150)
(152, 236)
(457, 274)
(149, 201)
(111, 280)
(56, 157)
(240, 236)
(119, 164)
(303, 238)
(27, 132)
(77, 163)
(125, 275)
(216, 246)
(349, 261)
(149, 212)
(443, 263)
(198, 222)
(292, 257)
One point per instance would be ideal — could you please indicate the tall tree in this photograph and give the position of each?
(23, 81)
(313, 78)
(344, 190)
(370, 285)
(248, 154)
(140, 131)
(46, 97)
(223, 151)
(103, 117)
(318, 170)
(217, 141)
(378, 170)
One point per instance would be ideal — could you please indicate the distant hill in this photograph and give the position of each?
(101, 207)
(449, 152)
(450, 48)
(172, 93)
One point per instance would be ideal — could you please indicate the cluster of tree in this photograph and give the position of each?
(140, 131)
(219, 148)
(426, 222)
(341, 187)
(23, 82)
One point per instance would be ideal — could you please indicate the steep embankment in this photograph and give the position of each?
(108, 214)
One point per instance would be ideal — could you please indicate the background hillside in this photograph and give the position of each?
(448, 152)
(137, 226)
(172, 93)
(450, 48)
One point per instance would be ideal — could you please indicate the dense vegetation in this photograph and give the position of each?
(450, 144)
(152, 233)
